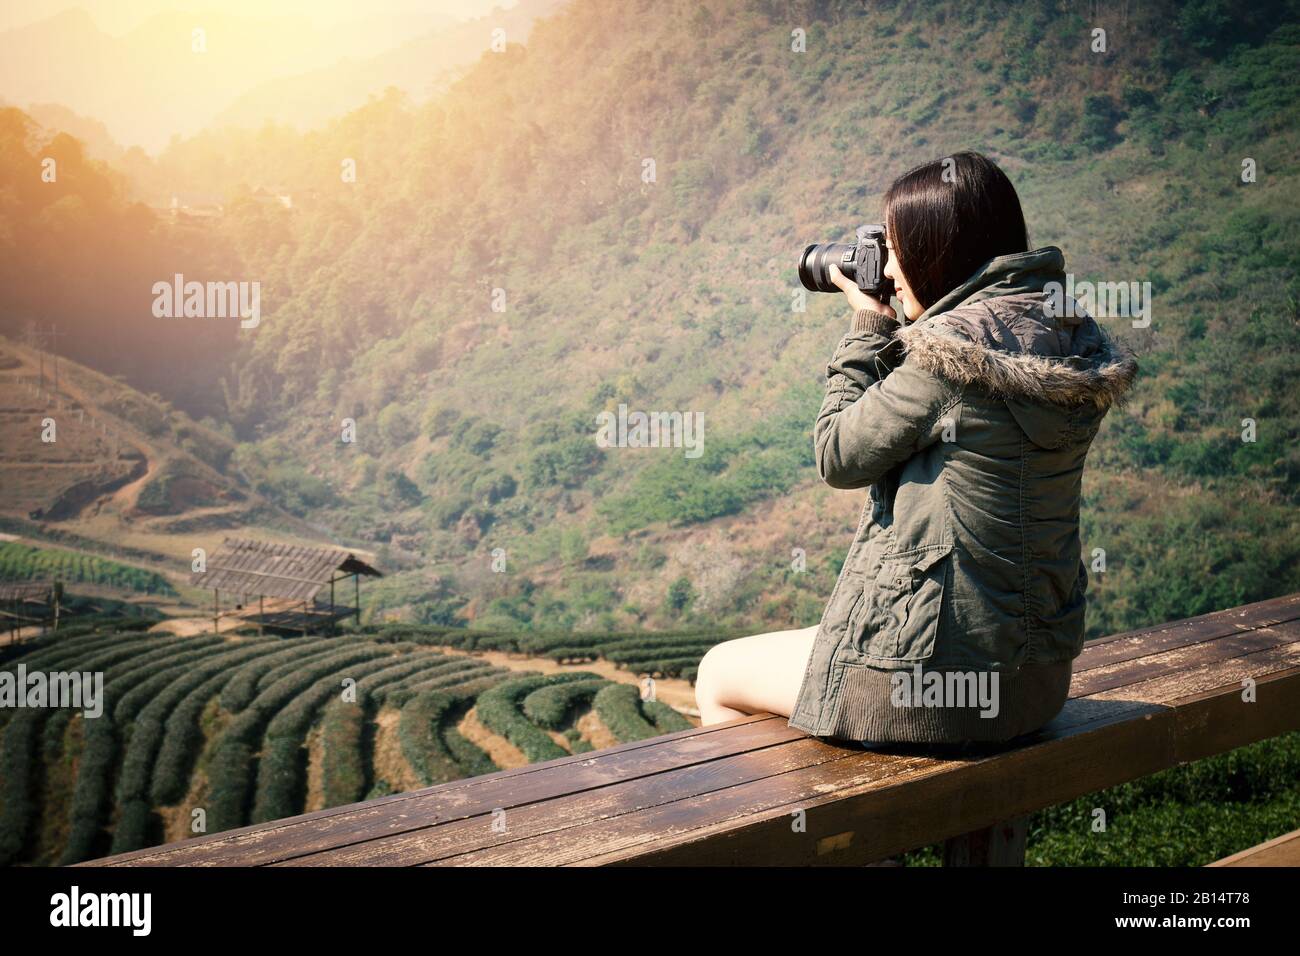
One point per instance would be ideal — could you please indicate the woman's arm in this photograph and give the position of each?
(875, 414)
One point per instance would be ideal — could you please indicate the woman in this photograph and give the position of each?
(959, 609)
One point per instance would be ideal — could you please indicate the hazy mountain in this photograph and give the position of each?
(421, 67)
(94, 135)
(151, 83)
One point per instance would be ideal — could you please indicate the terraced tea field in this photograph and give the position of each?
(207, 732)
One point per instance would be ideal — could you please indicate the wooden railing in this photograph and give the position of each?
(755, 791)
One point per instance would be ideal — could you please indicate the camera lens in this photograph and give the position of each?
(814, 265)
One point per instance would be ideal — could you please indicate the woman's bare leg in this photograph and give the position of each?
(753, 675)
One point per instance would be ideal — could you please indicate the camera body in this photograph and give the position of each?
(863, 262)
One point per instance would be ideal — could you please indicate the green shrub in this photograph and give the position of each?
(282, 765)
(567, 463)
(232, 767)
(552, 707)
(1097, 125)
(397, 426)
(91, 799)
(134, 827)
(426, 722)
(619, 708)
(665, 719)
(244, 686)
(499, 710)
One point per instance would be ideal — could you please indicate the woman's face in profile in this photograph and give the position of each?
(894, 270)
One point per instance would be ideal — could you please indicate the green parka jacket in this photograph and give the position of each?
(969, 427)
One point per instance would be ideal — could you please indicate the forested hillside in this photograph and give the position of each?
(78, 258)
(529, 185)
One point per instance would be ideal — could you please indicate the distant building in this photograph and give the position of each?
(268, 197)
(192, 208)
(291, 576)
(30, 603)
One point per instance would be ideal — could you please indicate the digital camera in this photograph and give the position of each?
(863, 262)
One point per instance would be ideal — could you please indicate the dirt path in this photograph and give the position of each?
(178, 820)
(193, 626)
(195, 518)
(388, 761)
(315, 799)
(503, 753)
(128, 496)
(595, 732)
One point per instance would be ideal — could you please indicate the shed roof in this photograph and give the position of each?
(33, 591)
(269, 568)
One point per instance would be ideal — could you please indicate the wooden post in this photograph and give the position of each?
(1002, 844)
(261, 614)
(331, 603)
(58, 598)
(356, 580)
(216, 611)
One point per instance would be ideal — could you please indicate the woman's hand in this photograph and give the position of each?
(857, 298)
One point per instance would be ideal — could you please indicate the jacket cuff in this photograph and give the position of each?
(869, 320)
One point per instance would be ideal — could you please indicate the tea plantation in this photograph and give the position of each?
(205, 733)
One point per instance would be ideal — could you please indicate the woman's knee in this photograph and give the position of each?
(710, 675)
(704, 671)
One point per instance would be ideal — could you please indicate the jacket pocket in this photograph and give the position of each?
(902, 606)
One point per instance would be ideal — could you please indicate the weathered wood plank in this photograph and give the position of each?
(1197, 630)
(1183, 658)
(575, 810)
(1118, 704)
(848, 818)
(920, 808)
(1260, 614)
(263, 843)
(1209, 679)
(1282, 851)
(864, 770)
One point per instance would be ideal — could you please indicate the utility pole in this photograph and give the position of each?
(34, 341)
(54, 345)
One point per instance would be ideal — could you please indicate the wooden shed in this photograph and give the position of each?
(286, 580)
(30, 603)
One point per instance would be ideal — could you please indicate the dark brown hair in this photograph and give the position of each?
(947, 218)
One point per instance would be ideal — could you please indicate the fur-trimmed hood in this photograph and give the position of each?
(1015, 348)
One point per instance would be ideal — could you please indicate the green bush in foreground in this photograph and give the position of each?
(19, 769)
(149, 731)
(665, 719)
(281, 768)
(1185, 816)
